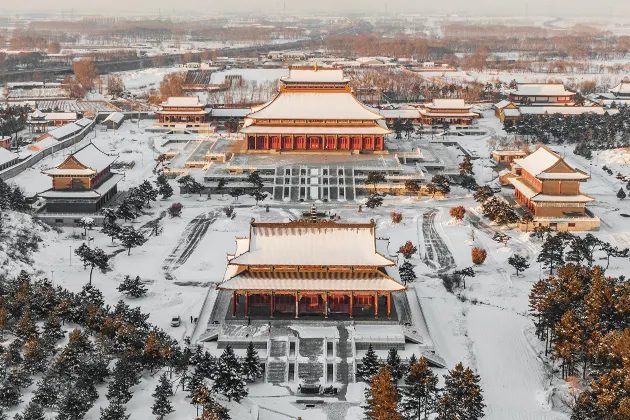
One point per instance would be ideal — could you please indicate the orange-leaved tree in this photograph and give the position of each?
(478, 255)
(383, 397)
(458, 212)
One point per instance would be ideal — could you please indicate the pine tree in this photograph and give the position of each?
(552, 253)
(162, 405)
(33, 411)
(466, 167)
(375, 200)
(251, 365)
(52, 331)
(48, 389)
(369, 364)
(421, 393)
(132, 287)
(382, 403)
(519, 263)
(375, 178)
(195, 382)
(406, 272)
(164, 187)
(441, 184)
(621, 194)
(74, 404)
(10, 395)
(114, 411)
(148, 193)
(483, 194)
(93, 257)
(461, 397)
(130, 238)
(124, 375)
(394, 364)
(412, 359)
(227, 379)
(126, 211)
(398, 128)
(206, 365)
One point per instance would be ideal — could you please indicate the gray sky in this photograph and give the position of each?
(615, 8)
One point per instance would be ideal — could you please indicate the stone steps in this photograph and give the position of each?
(276, 372)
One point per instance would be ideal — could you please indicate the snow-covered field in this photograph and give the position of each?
(486, 327)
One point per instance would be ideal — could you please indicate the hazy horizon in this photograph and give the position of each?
(569, 8)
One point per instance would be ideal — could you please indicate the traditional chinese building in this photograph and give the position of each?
(82, 183)
(541, 94)
(37, 122)
(449, 111)
(310, 268)
(621, 91)
(550, 189)
(185, 112)
(315, 111)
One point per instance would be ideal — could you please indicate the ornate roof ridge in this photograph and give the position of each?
(309, 223)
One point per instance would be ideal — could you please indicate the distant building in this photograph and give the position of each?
(185, 113)
(58, 119)
(37, 122)
(5, 142)
(449, 111)
(542, 94)
(82, 183)
(508, 156)
(114, 120)
(550, 189)
(621, 91)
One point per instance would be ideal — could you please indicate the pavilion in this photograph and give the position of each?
(310, 267)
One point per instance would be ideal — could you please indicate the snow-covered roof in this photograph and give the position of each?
(502, 104)
(563, 110)
(542, 89)
(65, 131)
(398, 113)
(622, 88)
(95, 193)
(6, 156)
(230, 112)
(182, 101)
(83, 122)
(322, 130)
(115, 117)
(546, 198)
(37, 114)
(539, 161)
(92, 157)
(574, 176)
(313, 281)
(510, 152)
(315, 105)
(319, 244)
(511, 112)
(315, 76)
(448, 104)
(56, 116)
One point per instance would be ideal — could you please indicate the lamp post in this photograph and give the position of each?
(70, 255)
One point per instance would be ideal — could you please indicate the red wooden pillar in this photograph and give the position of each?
(351, 302)
(389, 306)
(233, 303)
(297, 303)
(246, 304)
(266, 142)
(271, 303)
(376, 305)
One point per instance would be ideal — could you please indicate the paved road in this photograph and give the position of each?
(187, 243)
(437, 254)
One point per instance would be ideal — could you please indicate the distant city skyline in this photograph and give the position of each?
(614, 8)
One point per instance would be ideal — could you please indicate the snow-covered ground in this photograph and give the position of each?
(486, 327)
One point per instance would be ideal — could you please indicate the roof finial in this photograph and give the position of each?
(316, 66)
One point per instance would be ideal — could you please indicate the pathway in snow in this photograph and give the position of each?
(512, 377)
(437, 254)
(187, 243)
